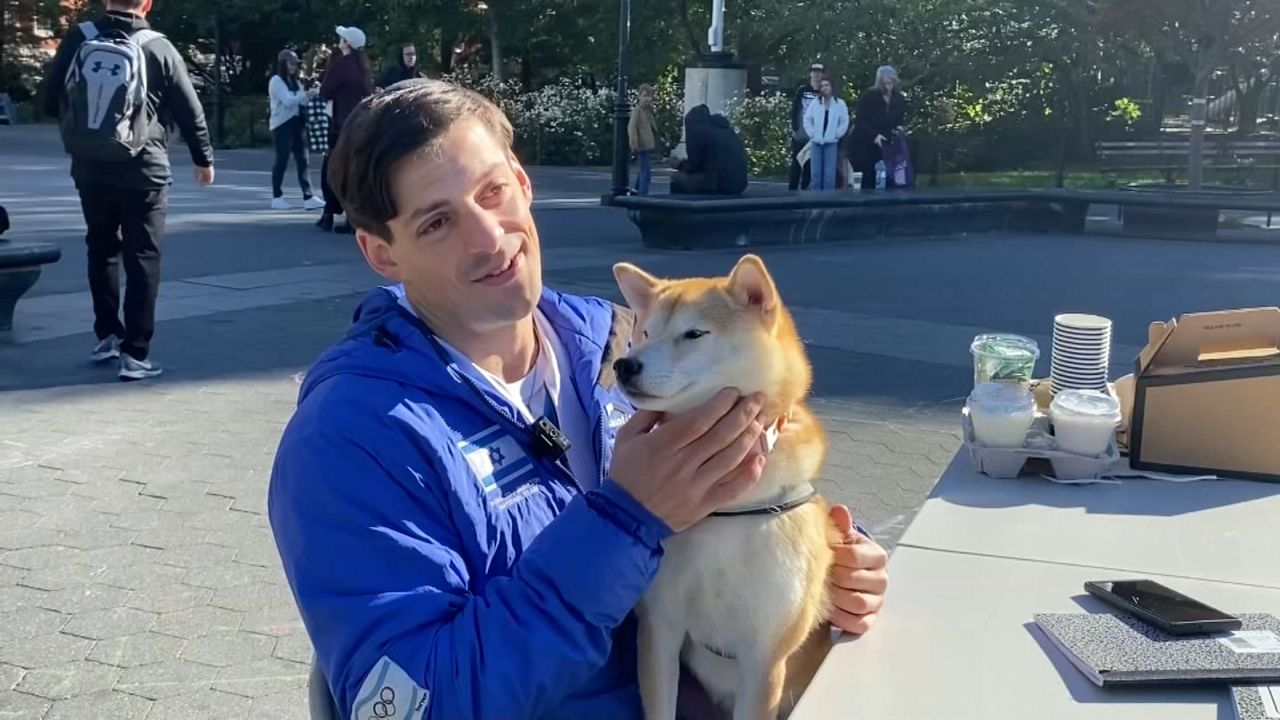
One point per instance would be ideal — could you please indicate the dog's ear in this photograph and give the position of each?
(751, 286)
(637, 286)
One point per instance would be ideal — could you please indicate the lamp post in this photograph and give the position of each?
(622, 110)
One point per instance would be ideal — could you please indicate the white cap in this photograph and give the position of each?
(353, 35)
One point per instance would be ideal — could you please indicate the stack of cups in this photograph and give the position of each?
(1081, 352)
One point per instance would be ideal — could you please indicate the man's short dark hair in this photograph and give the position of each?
(388, 127)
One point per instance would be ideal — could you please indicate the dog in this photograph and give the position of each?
(741, 598)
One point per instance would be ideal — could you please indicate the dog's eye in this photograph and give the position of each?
(694, 334)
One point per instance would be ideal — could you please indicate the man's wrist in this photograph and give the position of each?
(615, 503)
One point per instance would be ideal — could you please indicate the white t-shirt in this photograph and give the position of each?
(530, 394)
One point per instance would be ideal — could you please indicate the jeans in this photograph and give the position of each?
(288, 140)
(645, 175)
(823, 161)
(128, 223)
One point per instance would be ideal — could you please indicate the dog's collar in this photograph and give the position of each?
(801, 495)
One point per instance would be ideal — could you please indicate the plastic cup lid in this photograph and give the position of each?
(1002, 398)
(1005, 347)
(1086, 403)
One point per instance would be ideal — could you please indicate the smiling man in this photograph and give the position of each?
(466, 507)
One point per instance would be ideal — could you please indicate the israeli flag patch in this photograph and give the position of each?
(496, 459)
(388, 693)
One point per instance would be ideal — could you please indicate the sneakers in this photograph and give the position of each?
(131, 369)
(280, 204)
(107, 348)
(313, 203)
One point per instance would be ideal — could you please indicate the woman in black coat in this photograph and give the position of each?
(881, 112)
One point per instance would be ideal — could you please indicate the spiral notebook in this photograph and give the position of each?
(1120, 650)
(1256, 702)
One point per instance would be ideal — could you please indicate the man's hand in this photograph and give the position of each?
(881, 140)
(693, 463)
(203, 175)
(858, 578)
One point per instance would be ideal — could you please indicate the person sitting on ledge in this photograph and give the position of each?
(717, 161)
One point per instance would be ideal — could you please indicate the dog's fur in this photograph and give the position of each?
(751, 587)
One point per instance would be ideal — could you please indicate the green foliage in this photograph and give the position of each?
(763, 122)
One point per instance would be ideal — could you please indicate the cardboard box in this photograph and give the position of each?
(1206, 396)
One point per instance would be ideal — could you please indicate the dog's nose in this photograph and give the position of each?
(627, 368)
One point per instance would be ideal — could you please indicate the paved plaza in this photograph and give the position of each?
(138, 578)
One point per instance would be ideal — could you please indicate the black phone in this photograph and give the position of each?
(1164, 607)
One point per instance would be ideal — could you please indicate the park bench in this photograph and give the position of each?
(1171, 157)
(20, 264)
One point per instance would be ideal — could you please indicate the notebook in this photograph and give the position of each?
(1256, 702)
(1118, 650)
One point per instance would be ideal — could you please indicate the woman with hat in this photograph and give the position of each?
(288, 99)
(346, 82)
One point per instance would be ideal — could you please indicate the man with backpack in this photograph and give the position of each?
(115, 85)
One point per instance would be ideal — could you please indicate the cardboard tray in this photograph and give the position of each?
(1010, 462)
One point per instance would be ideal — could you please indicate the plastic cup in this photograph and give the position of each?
(1001, 414)
(1084, 421)
(1003, 358)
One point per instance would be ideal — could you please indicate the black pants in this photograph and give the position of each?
(288, 140)
(128, 223)
(331, 204)
(699, 183)
(799, 177)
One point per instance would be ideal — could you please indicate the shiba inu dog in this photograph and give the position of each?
(741, 597)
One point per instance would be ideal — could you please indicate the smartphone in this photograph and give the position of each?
(1164, 607)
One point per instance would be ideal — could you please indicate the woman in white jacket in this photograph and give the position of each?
(288, 101)
(826, 121)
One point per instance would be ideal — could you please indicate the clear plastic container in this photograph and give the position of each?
(1084, 421)
(1001, 414)
(1004, 358)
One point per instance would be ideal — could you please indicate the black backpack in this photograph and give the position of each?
(104, 114)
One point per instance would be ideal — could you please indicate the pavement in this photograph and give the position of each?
(138, 578)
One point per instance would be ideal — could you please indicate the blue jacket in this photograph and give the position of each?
(442, 570)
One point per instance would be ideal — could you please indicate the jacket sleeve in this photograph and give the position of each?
(842, 120)
(633, 129)
(797, 105)
(56, 74)
(334, 77)
(387, 568)
(811, 126)
(182, 104)
(281, 93)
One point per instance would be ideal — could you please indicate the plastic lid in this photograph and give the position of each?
(1005, 346)
(1004, 398)
(1086, 403)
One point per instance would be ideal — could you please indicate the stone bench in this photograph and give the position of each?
(761, 218)
(20, 264)
(785, 218)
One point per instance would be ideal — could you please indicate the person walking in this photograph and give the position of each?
(113, 84)
(642, 129)
(346, 82)
(288, 107)
(805, 96)
(404, 68)
(880, 113)
(826, 122)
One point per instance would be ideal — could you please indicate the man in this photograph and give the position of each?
(124, 179)
(717, 161)
(451, 553)
(405, 67)
(805, 96)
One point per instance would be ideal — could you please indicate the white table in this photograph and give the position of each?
(1212, 530)
(956, 641)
